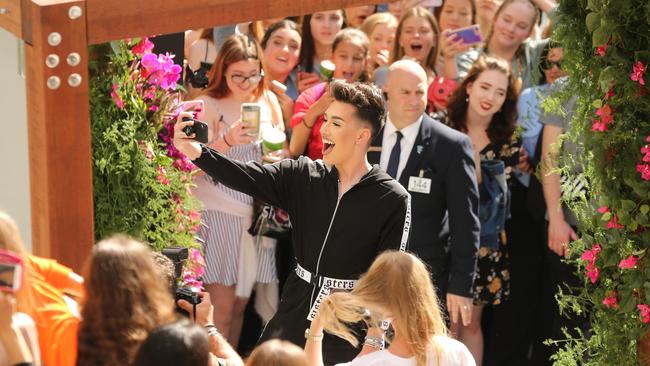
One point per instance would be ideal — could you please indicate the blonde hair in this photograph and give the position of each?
(397, 286)
(376, 19)
(11, 240)
(277, 353)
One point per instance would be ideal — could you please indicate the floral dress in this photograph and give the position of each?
(492, 277)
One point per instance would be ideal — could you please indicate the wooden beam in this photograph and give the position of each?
(11, 14)
(111, 20)
(58, 117)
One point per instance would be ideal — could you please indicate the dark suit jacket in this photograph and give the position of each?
(445, 226)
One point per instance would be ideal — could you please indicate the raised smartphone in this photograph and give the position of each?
(250, 117)
(11, 271)
(470, 35)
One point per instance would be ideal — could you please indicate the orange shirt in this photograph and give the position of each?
(46, 281)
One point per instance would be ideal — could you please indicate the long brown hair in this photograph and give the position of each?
(503, 122)
(399, 285)
(125, 300)
(420, 12)
(235, 48)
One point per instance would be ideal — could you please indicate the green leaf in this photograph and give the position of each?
(606, 216)
(593, 21)
(627, 303)
(644, 209)
(641, 218)
(628, 205)
(597, 103)
(599, 36)
(606, 77)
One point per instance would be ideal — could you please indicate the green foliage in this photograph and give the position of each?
(138, 188)
(603, 39)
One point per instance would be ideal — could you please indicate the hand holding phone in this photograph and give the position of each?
(470, 35)
(11, 271)
(199, 129)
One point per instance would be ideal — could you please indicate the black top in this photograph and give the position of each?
(368, 219)
(445, 232)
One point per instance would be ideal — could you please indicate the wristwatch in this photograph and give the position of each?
(316, 338)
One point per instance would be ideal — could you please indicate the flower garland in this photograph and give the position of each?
(606, 55)
(141, 181)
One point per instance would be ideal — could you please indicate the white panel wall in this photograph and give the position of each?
(14, 169)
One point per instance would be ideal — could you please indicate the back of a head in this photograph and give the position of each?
(10, 235)
(176, 344)
(365, 98)
(125, 300)
(277, 353)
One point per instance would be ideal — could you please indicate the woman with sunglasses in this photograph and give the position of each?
(234, 263)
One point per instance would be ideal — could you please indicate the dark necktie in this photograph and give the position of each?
(393, 160)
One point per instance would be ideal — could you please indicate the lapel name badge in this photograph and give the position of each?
(420, 184)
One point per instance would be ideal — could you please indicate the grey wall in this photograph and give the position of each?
(14, 165)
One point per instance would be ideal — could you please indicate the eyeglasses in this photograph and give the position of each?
(240, 79)
(548, 64)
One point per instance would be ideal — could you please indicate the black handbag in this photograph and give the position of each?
(271, 222)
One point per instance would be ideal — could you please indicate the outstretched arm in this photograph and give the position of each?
(269, 183)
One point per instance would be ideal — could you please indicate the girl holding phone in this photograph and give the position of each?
(318, 33)
(234, 264)
(485, 108)
(349, 55)
(453, 15)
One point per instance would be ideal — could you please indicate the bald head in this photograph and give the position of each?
(406, 87)
(406, 68)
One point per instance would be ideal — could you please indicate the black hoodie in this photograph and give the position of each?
(371, 217)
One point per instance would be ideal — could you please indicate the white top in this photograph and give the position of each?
(410, 133)
(453, 353)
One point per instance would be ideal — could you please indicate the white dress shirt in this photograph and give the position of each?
(410, 133)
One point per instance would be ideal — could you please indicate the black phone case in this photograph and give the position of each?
(200, 129)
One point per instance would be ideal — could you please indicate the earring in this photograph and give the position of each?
(467, 99)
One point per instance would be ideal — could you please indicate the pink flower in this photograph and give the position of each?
(611, 301)
(637, 73)
(605, 114)
(592, 273)
(116, 97)
(613, 223)
(602, 50)
(598, 126)
(590, 256)
(610, 93)
(644, 310)
(628, 263)
(603, 209)
(162, 173)
(144, 46)
(644, 169)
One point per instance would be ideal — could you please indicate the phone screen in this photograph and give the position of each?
(10, 277)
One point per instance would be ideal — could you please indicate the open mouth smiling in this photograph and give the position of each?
(328, 146)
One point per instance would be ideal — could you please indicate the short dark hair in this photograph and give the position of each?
(180, 343)
(367, 100)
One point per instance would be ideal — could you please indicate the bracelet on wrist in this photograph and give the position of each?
(314, 337)
(226, 140)
(212, 330)
(306, 125)
(373, 342)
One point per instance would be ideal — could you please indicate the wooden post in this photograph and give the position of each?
(58, 114)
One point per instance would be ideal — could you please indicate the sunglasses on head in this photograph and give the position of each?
(547, 64)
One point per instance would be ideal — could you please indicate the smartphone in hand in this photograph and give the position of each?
(11, 272)
(250, 117)
(470, 35)
(199, 129)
